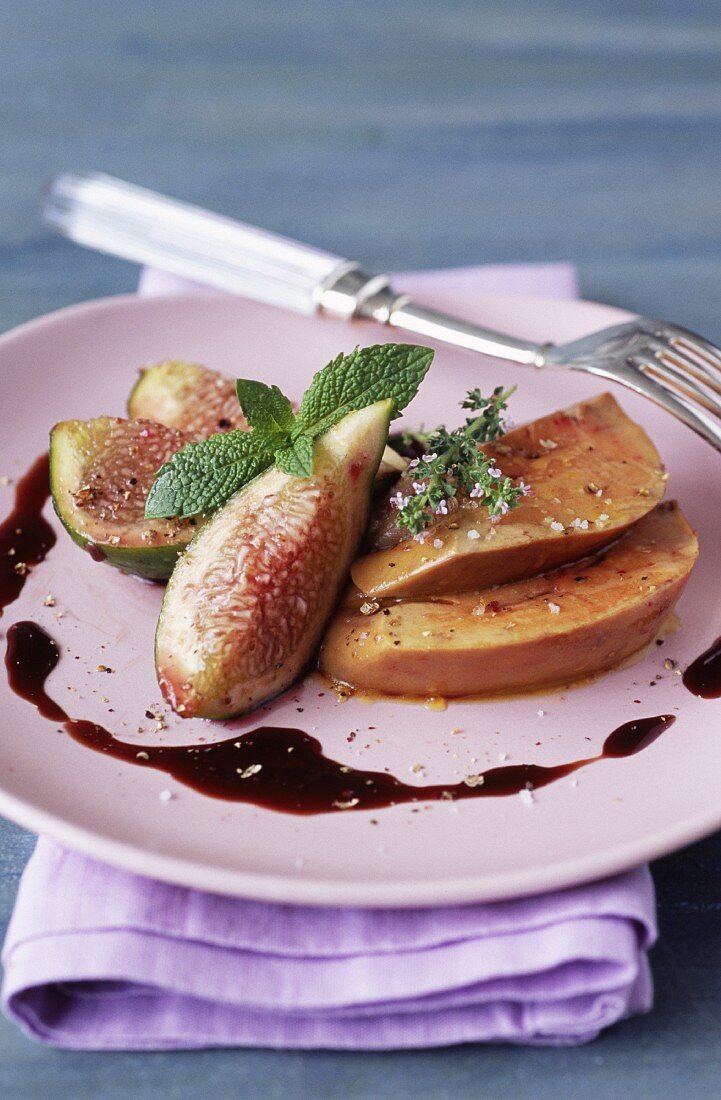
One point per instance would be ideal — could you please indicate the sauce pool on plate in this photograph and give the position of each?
(285, 769)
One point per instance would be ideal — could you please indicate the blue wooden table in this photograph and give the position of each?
(411, 133)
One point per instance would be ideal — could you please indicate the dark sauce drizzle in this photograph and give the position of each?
(703, 676)
(25, 536)
(285, 769)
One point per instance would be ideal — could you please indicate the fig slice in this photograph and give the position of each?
(187, 396)
(246, 605)
(101, 472)
(592, 473)
(539, 632)
(200, 401)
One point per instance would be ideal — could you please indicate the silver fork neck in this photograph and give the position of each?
(350, 292)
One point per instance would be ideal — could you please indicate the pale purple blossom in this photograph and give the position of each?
(430, 458)
(413, 463)
(523, 488)
(493, 471)
(442, 508)
(478, 490)
(420, 537)
(398, 500)
(419, 487)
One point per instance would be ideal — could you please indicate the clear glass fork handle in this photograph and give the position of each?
(137, 224)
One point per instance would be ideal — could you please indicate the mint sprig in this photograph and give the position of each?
(202, 476)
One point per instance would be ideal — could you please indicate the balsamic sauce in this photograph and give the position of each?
(25, 536)
(703, 676)
(285, 769)
(95, 552)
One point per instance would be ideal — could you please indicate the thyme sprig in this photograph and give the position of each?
(451, 463)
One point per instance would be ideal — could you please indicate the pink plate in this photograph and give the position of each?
(81, 362)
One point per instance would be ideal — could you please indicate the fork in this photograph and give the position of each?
(671, 366)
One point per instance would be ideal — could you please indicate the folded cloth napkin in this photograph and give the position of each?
(98, 958)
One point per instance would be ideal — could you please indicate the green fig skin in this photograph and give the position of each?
(246, 606)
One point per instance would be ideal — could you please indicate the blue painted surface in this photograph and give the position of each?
(412, 133)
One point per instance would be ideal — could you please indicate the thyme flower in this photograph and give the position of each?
(451, 463)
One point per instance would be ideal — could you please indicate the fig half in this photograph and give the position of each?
(187, 396)
(101, 472)
(592, 473)
(248, 601)
(545, 630)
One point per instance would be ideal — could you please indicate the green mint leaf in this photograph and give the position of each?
(354, 381)
(202, 476)
(297, 459)
(265, 408)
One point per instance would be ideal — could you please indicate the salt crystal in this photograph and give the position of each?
(473, 534)
(246, 773)
(554, 608)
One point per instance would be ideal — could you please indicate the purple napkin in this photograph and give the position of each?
(100, 959)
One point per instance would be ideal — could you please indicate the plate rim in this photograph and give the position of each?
(380, 893)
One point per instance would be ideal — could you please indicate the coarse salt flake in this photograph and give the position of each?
(246, 773)
(473, 534)
(347, 805)
(553, 608)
